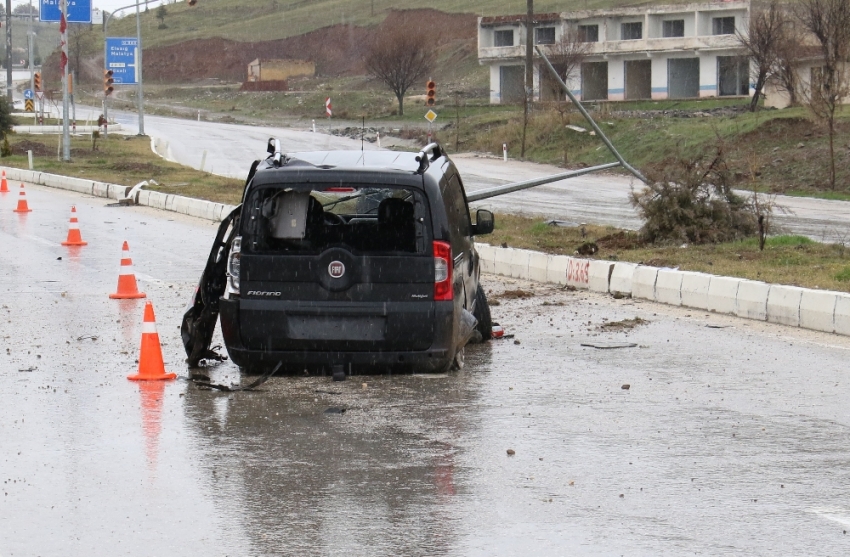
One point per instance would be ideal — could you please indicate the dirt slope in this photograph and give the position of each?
(338, 50)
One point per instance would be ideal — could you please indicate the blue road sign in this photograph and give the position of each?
(28, 94)
(121, 59)
(79, 11)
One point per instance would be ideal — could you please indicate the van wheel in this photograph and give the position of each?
(482, 314)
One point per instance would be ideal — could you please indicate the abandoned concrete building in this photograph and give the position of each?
(656, 52)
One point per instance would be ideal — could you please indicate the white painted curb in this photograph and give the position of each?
(178, 203)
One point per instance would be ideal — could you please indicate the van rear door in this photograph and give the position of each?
(336, 268)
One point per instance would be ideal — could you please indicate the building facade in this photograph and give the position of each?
(657, 52)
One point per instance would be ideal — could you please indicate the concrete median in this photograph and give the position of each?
(578, 273)
(817, 310)
(599, 275)
(538, 266)
(668, 287)
(842, 313)
(621, 278)
(556, 272)
(519, 263)
(752, 300)
(695, 289)
(503, 261)
(723, 294)
(783, 304)
(643, 282)
(486, 258)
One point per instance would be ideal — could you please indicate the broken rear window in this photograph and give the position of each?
(361, 219)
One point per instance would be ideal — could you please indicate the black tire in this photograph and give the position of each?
(482, 314)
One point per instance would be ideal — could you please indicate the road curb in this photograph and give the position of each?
(169, 202)
(806, 308)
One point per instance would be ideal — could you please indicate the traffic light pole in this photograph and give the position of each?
(29, 47)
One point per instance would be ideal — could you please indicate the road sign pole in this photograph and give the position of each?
(66, 134)
(9, 50)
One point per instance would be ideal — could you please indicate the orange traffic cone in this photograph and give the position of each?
(22, 202)
(151, 367)
(127, 287)
(74, 238)
(4, 185)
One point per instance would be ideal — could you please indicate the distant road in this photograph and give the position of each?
(598, 198)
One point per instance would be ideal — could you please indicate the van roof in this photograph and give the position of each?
(357, 160)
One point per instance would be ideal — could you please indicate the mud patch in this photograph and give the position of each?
(38, 149)
(620, 240)
(142, 167)
(516, 294)
(623, 325)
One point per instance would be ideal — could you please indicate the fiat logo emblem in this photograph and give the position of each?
(336, 269)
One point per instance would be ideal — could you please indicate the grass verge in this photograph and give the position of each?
(794, 260)
(123, 160)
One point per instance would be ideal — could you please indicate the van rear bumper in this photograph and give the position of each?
(435, 358)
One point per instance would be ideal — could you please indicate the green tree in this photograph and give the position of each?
(161, 12)
(6, 120)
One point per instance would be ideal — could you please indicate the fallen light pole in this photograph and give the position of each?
(525, 184)
(590, 120)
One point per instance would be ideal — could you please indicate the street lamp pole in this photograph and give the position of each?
(138, 60)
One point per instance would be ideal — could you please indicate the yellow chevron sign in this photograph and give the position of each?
(29, 106)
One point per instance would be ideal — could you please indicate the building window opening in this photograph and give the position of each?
(673, 28)
(631, 31)
(503, 38)
(588, 33)
(733, 76)
(723, 26)
(594, 81)
(545, 35)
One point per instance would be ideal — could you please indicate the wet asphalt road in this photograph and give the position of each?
(730, 441)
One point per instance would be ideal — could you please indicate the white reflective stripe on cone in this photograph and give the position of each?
(125, 269)
(148, 327)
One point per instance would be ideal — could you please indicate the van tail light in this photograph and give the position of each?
(234, 264)
(443, 272)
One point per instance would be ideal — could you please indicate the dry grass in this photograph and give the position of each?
(123, 160)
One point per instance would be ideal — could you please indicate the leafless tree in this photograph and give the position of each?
(767, 25)
(566, 56)
(829, 22)
(789, 49)
(400, 56)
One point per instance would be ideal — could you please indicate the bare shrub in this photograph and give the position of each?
(691, 200)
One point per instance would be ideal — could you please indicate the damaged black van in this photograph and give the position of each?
(358, 259)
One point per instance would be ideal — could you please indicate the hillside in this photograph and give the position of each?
(337, 50)
(267, 20)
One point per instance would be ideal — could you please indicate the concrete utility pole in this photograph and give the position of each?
(529, 45)
(141, 99)
(529, 70)
(9, 50)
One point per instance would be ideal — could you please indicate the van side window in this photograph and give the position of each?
(457, 212)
